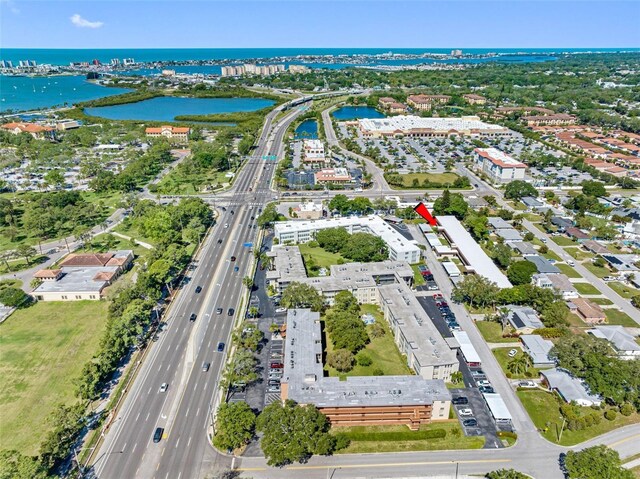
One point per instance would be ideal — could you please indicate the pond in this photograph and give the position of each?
(167, 108)
(308, 129)
(356, 112)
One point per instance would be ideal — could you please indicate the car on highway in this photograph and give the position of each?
(157, 435)
(460, 400)
(218, 310)
(233, 258)
(469, 423)
(236, 269)
(232, 212)
(226, 225)
(198, 289)
(220, 347)
(164, 387)
(219, 241)
(205, 367)
(193, 317)
(230, 312)
(465, 412)
(512, 353)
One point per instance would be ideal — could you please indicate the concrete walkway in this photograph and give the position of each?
(138, 242)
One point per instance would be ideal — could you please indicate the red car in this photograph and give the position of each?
(277, 365)
(437, 296)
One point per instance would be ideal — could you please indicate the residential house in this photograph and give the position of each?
(523, 319)
(588, 311)
(538, 350)
(542, 264)
(570, 388)
(623, 342)
(560, 283)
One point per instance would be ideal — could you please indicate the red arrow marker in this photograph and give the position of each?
(422, 210)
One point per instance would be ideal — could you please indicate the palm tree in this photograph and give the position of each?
(518, 365)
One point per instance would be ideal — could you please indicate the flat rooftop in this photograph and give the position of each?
(77, 279)
(288, 262)
(306, 384)
(500, 158)
(411, 122)
(472, 253)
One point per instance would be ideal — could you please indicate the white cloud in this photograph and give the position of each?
(78, 21)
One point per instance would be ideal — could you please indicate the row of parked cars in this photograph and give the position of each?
(275, 374)
(427, 275)
(446, 312)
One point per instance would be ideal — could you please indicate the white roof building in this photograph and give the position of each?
(538, 349)
(623, 342)
(470, 354)
(416, 126)
(570, 388)
(470, 252)
(400, 248)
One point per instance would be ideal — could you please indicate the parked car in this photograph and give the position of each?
(486, 389)
(465, 412)
(513, 352)
(527, 384)
(281, 310)
(469, 423)
(483, 382)
(478, 373)
(274, 389)
(276, 365)
(460, 400)
(164, 387)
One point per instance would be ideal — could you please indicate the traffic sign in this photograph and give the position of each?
(248, 245)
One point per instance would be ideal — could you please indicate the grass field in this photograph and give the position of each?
(623, 290)
(578, 254)
(492, 332)
(502, 355)
(543, 408)
(383, 352)
(568, 270)
(361, 438)
(600, 301)
(563, 241)
(551, 255)
(444, 178)
(586, 288)
(322, 258)
(418, 280)
(43, 349)
(600, 272)
(617, 317)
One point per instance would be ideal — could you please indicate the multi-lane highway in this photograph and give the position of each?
(177, 358)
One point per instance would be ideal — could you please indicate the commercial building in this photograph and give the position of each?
(400, 248)
(538, 350)
(419, 127)
(309, 210)
(589, 312)
(358, 400)
(499, 166)
(81, 276)
(313, 154)
(177, 133)
(473, 99)
(332, 176)
(470, 252)
(620, 340)
(570, 388)
(38, 132)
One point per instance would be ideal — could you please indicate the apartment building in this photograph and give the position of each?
(426, 102)
(499, 166)
(174, 133)
(473, 99)
(555, 119)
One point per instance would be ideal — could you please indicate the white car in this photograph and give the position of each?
(226, 225)
(483, 382)
(513, 352)
(465, 412)
(164, 387)
(527, 384)
(281, 310)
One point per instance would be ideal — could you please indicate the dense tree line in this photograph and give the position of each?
(346, 329)
(363, 247)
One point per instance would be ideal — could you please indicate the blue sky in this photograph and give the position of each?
(245, 24)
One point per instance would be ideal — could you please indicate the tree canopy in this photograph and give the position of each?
(518, 189)
(235, 425)
(595, 462)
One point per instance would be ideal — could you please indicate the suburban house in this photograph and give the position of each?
(81, 276)
(538, 350)
(576, 234)
(588, 311)
(523, 319)
(38, 132)
(176, 133)
(560, 283)
(623, 342)
(569, 388)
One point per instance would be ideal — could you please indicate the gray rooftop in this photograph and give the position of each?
(350, 276)
(537, 347)
(616, 335)
(561, 282)
(288, 262)
(498, 223)
(570, 388)
(542, 264)
(509, 234)
(77, 279)
(304, 382)
(524, 317)
(523, 247)
(531, 202)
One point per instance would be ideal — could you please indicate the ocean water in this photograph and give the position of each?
(167, 108)
(65, 56)
(356, 112)
(30, 93)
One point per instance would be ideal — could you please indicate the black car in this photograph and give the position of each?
(158, 434)
(219, 241)
(230, 312)
(469, 423)
(460, 400)
(486, 389)
(193, 317)
(232, 212)
(233, 258)
(198, 289)
(220, 347)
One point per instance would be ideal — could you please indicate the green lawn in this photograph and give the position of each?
(601, 301)
(543, 408)
(551, 255)
(43, 349)
(445, 178)
(21, 263)
(502, 355)
(615, 316)
(576, 321)
(362, 438)
(563, 241)
(176, 182)
(600, 272)
(383, 352)
(568, 270)
(578, 254)
(319, 257)
(623, 290)
(586, 288)
(417, 276)
(492, 332)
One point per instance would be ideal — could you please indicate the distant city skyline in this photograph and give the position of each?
(315, 24)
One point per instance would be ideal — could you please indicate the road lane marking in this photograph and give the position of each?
(390, 464)
(187, 413)
(622, 441)
(138, 416)
(134, 447)
(177, 442)
(148, 414)
(198, 411)
(189, 441)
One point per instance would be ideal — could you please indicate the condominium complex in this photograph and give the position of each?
(415, 126)
(265, 70)
(554, 119)
(358, 400)
(426, 102)
(474, 99)
(400, 248)
(499, 166)
(177, 133)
